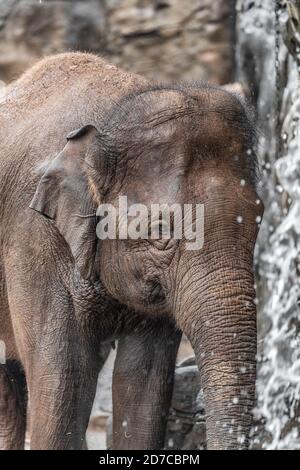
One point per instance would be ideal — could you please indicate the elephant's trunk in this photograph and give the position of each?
(216, 309)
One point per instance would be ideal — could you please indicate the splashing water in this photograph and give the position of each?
(272, 73)
(279, 374)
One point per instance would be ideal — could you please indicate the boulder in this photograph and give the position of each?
(166, 40)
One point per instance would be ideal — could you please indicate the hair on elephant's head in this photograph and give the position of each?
(172, 145)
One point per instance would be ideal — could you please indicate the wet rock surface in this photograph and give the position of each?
(186, 423)
(30, 30)
(268, 66)
(172, 39)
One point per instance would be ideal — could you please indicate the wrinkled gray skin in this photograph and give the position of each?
(65, 295)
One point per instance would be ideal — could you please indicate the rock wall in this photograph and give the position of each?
(186, 427)
(268, 57)
(172, 39)
(30, 29)
(162, 39)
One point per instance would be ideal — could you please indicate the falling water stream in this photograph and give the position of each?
(279, 374)
(278, 251)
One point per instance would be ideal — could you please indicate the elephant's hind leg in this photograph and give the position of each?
(13, 402)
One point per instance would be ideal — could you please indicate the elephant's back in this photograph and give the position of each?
(66, 75)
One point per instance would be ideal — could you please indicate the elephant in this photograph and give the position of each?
(77, 132)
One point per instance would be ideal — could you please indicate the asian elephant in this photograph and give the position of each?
(77, 132)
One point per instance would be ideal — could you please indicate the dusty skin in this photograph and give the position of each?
(75, 132)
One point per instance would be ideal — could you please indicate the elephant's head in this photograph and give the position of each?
(174, 146)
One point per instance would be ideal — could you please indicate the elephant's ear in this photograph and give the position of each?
(63, 195)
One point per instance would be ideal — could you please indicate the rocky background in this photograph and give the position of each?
(268, 66)
(162, 39)
(254, 42)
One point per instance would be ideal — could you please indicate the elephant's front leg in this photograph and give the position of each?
(143, 384)
(62, 388)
